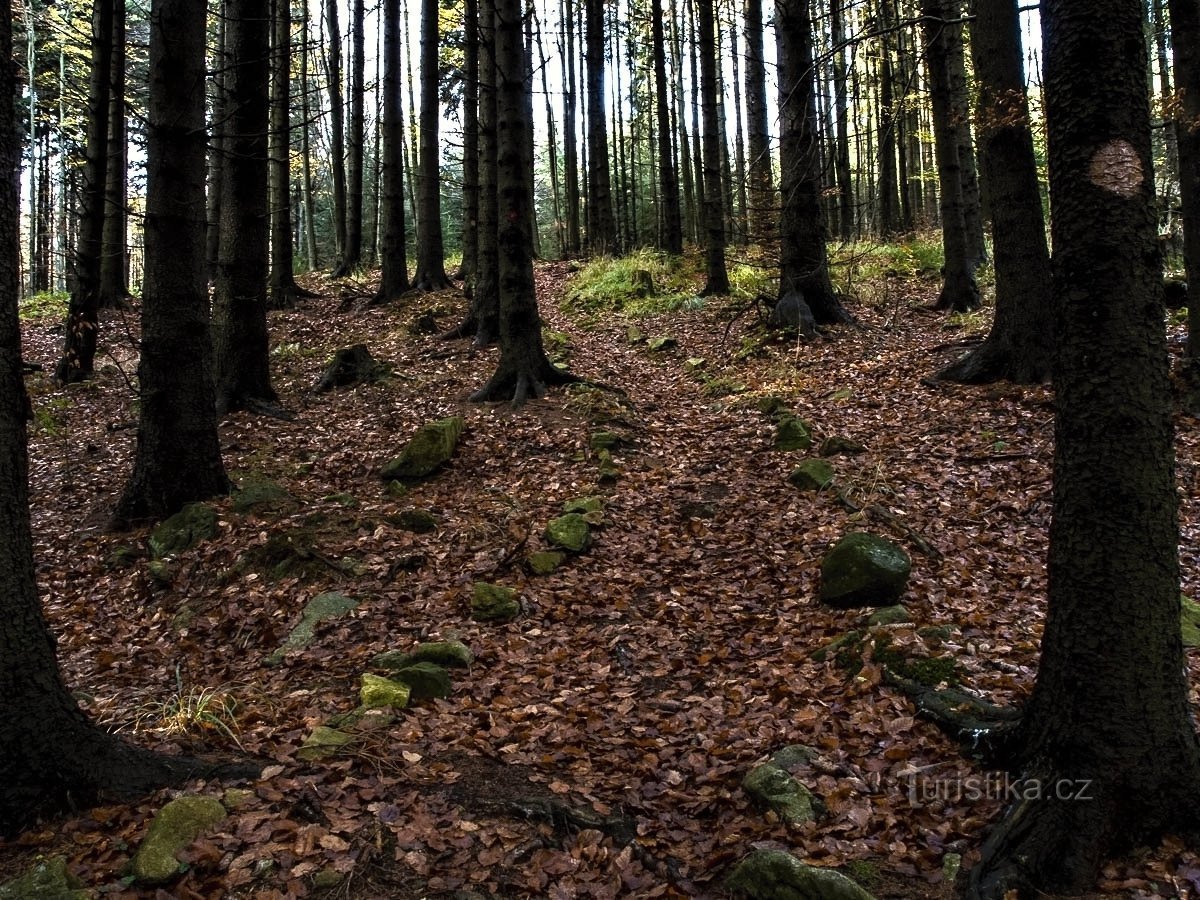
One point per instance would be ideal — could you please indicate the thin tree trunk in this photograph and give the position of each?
(574, 241)
(114, 251)
(716, 276)
(281, 285)
(394, 276)
(960, 119)
(762, 206)
(431, 266)
(337, 138)
(739, 212)
(841, 115)
(601, 223)
(310, 212)
(670, 225)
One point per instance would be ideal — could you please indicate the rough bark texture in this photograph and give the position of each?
(79, 349)
(889, 192)
(1185, 31)
(670, 224)
(601, 222)
(178, 454)
(960, 119)
(216, 147)
(337, 128)
(843, 176)
(1109, 712)
(114, 286)
(570, 141)
(431, 266)
(524, 371)
(394, 275)
(51, 757)
(803, 264)
(282, 290)
(761, 199)
(240, 342)
(351, 258)
(717, 277)
(960, 291)
(1020, 344)
(470, 108)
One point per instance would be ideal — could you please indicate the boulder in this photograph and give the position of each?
(256, 492)
(450, 654)
(543, 562)
(864, 570)
(792, 433)
(323, 742)
(49, 879)
(194, 523)
(776, 875)
(812, 475)
(418, 521)
(634, 335)
(570, 531)
(378, 693)
(429, 449)
(425, 680)
(771, 787)
(174, 827)
(660, 344)
(494, 603)
(329, 605)
(836, 445)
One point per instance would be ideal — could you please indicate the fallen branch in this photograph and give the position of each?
(890, 518)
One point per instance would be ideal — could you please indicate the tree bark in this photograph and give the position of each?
(1020, 344)
(394, 276)
(960, 291)
(1109, 712)
(1185, 30)
(114, 274)
(79, 348)
(716, 276)
(841, 115)
(523, 371)
(803, 264)
(670, 223)
(761, 199)
(470, 107)
(240, 340)
(960, 118)
(282, 290)
(601, 222)
(337, 138)
(355, 144)
(431, 266)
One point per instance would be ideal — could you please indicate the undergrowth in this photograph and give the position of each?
(642, 283)
(43, 305)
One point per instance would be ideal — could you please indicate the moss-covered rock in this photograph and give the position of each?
(543, 562)
(194, 523)
(841, 648)
(660, 344)
(591, 508)
(1189, 619)
(771, 405)
(771, 787)
(793, 755)
(634, 335)
(259, 493)
(609, 471)
(864, 570)
(449, 654)
(323, 742)
(425, 680)
(792, 433)
(603, 440)
(494, 603)
(889, 615)
(836, 445)
(376, 692)
(570, 531)
(776, 875)
(48, 879)
(329, 605)
(430, 448)
(174, 827)
(812, 475)
(418, 521)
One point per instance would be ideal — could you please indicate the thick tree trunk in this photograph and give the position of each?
(803, 264)
(114, 268)
(670, 223)
(394, 276)
(523, 370)
(716, 277)
(761, 200)
(1019, 346)
(960, 117)
(178, 454)
(431, 266)
(960, 291)
(216, 145)
(1185, 30)
(240, 341)
(79, 349)
(1109, 713)
(51, 757)
(282, 290)
(601, 223)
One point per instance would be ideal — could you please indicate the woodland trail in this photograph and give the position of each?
(643, 679)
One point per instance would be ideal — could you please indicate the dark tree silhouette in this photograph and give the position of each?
(394, 276)
(431, 264)
(716, 277)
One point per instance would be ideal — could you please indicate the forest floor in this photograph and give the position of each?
(597, 745)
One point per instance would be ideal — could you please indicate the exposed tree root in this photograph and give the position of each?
(985, 730)
(993, 361)
(520, 385)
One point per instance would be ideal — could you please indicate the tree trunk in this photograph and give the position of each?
(51, 757)
(716, 276)
(351, 256)
(570, 140)
(841, 115)
(889, 213)
(670, 223)
(1019, 346)
(761, 200)
(960, 117)
(178, 453)
(394, 276)
(1109, 714)
(470, 164)
(337, 138)
(523, 370)
(804, 282)
(601, 223)
(240, 341)
(282, 290)
(216, 145)
(114, 268)
(1185, 29)
(79, 348)
(311, 252)
(960, 292)
(431, 266)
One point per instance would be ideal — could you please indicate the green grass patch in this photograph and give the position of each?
(919, 257)
(47, 304)
(643, 283)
